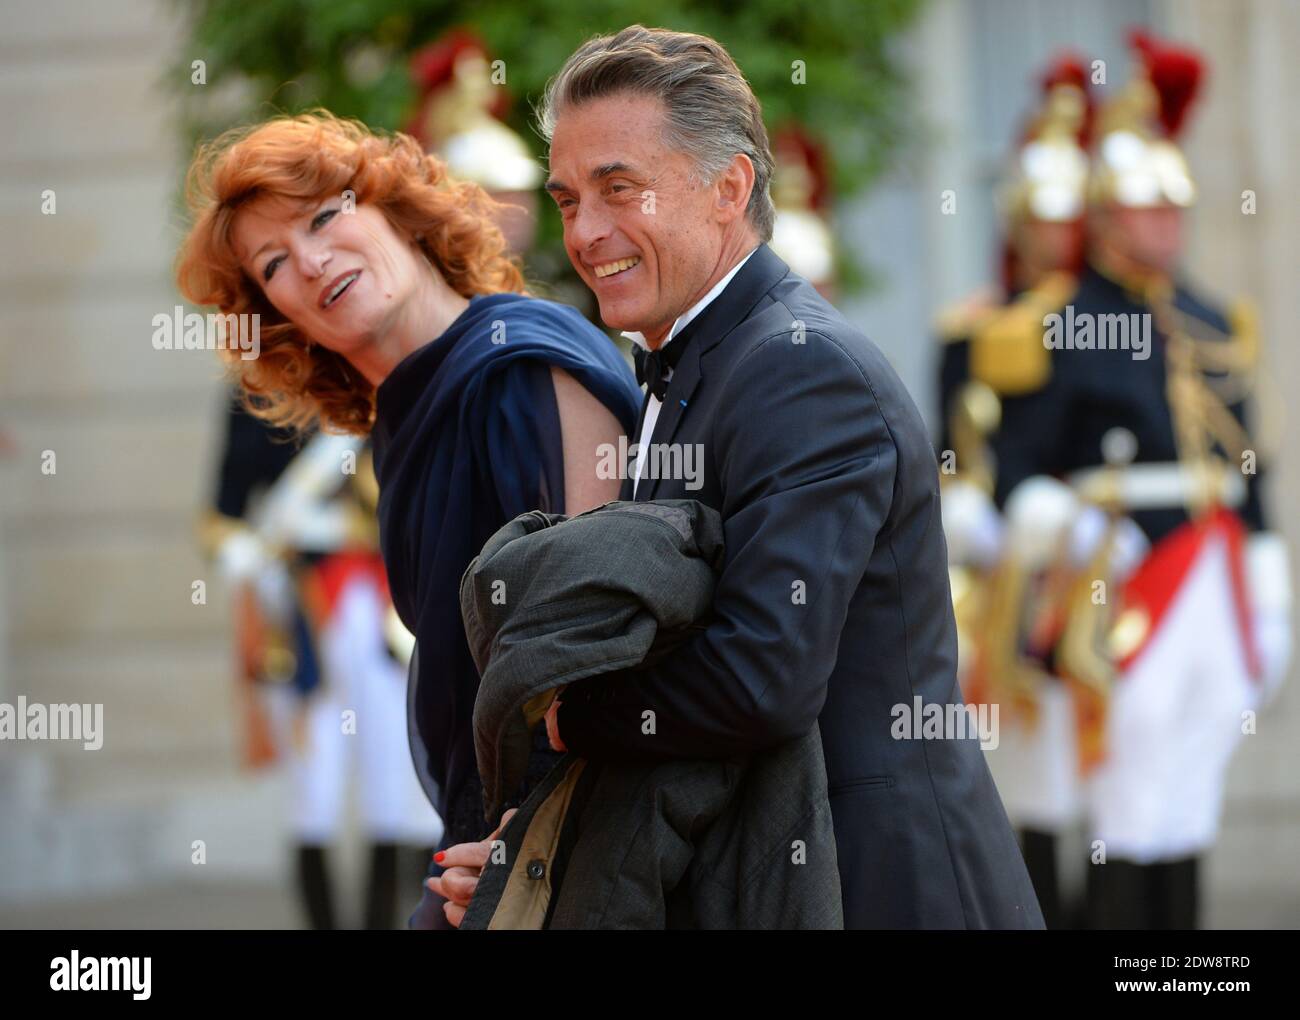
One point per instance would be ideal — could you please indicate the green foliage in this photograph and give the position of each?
(351, 56)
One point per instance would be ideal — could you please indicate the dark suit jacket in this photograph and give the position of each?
(832, 606)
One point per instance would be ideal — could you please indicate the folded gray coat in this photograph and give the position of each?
(741, 842)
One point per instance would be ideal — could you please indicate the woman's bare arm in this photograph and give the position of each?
(586, 424)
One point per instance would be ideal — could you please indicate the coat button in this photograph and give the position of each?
(536, 868)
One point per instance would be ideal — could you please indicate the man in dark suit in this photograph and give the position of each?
(833, 606)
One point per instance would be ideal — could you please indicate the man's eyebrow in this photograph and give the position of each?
(602, 171)
(609, 169)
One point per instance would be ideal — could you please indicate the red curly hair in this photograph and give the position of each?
(306, 158)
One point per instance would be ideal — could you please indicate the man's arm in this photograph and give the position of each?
(807, 468)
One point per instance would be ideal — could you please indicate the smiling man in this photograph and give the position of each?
(832, 606)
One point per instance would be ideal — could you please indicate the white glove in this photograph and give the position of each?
(1044, 514)
(1129, 544)
(971, 525)
(240, 556)
(1040, 513)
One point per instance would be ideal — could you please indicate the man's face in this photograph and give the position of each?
(627, 199)
(1150, 237)
(1047, 246)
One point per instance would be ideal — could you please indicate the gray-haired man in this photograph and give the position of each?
(833, 606)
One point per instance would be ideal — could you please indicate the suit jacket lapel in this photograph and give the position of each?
(724, 313)
(681, 387)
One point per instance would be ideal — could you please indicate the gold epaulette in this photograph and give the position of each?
(1007, 351)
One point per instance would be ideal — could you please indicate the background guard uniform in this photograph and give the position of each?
(1042, 202)
(1183, 640)
(296, 535)
(1200, 631)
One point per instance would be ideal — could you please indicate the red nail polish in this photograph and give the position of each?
(439, 856)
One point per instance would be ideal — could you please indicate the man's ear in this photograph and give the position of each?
(735, 184)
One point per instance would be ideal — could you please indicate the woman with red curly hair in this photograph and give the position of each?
(388, 305)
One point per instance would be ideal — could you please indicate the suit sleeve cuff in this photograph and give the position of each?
(589, 726)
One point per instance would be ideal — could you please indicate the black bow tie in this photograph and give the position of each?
(653, 368)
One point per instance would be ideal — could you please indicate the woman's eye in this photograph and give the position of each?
(269, 271)
(322, 218)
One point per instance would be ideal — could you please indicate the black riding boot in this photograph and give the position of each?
(1039, 850)
(314, 887)
(1175, 894)
(381, 891)
(1119, 896)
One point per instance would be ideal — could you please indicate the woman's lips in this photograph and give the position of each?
(354, 275)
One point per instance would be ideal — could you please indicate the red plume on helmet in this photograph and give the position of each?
(1177, 73)
(432, 69)
(1068, 68)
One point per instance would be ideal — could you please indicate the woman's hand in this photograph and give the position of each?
(463, 864)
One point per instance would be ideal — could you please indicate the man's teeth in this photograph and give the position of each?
(342, 285)
(610, 268)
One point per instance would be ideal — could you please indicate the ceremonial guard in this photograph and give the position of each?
(801, 233)
(1042, 203)
(1125, 443)
(460, 119)
(322, 656)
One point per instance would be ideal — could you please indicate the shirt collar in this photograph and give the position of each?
(695, 309)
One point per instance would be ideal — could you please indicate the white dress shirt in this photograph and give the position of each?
(653, 408)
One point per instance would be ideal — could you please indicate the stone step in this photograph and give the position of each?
(147, 820)
(61, 112)
(104, 231)
(114, 583)
(129, 775)
(145, 468)
(35, 24)
(77, 365)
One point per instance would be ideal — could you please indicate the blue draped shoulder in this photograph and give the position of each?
(466, 438)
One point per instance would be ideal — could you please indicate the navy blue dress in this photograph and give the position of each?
(467, 437)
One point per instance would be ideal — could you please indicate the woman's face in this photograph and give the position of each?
(342, 278)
